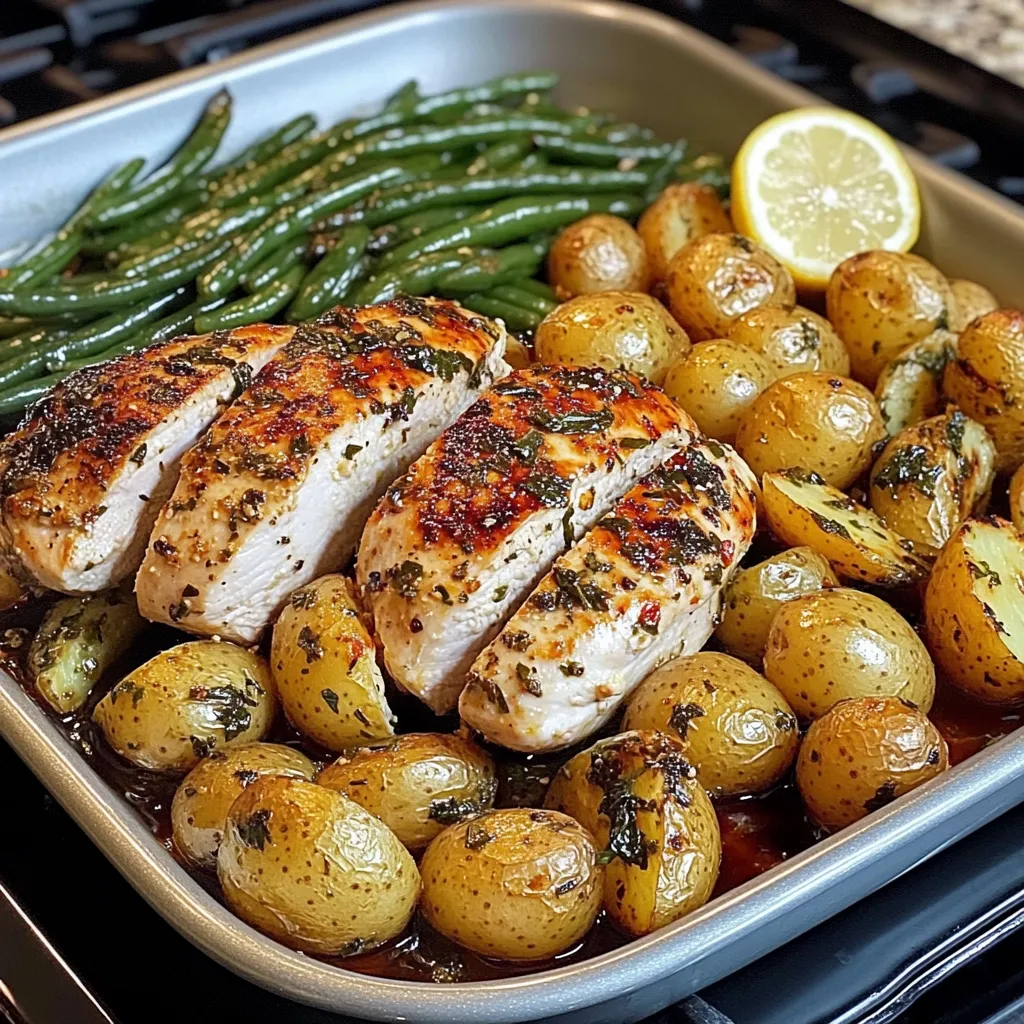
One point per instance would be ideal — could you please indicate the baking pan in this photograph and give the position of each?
(645, 67)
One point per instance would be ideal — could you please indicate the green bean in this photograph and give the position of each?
(146, 229)
(665, 170)
(155, 190)
(538, 288)
(512, 293)
(31, 341)
(332, 276)
(516, 318)
(15, 399)
(625, 131)
(416, 224)
(486, 271)
(12, 325)
(406, 95)
(263, 149)
(500, 155)
(598, 153)
(414, 277)
(274, 266)
(381, 239)
(254, 308)
(511, 220)
(180, 322)
(531, 162)
(708, 169)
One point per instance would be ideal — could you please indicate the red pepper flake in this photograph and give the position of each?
(728, 550)
(650, 617)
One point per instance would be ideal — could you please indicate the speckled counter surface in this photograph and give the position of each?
(989, 33)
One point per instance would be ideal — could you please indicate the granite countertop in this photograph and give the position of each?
(989, 33)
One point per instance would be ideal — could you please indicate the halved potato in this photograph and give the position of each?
(909, 389)
(1017, 499)
(974, 611)
(972, 300)
(802, 509)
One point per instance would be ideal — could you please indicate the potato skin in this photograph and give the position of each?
(313, 870)
(516, 884)
(755, 594)
(822, 423)
(909, 388)
(667, 855)
(200, 807)
(187, 702)
(862, 755)
(716, 278)
(986, 380)
(612, 329)
(600, 253)
(791, 340)
(736, 729)
(881, 302)
(1017, 499)
(417, 783)
(716, 382)
(972, 300)
(325, 669)
(679, 215)
(825, 647)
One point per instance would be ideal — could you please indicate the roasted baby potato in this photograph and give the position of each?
(600, 253)
(679, 215)
(715, 382)
(516, 884)
(11, 590)
(716, 278)
(1017, 499)
(736, 729)
(77, 641)
(802, 509)
(974, 612)
(881, 302)
(324, 667)
(640, 797)
(822, 423)
(971, 300)
(418, 783)
(864, 754)
(200, 808)
(986, 381)
(185, 703)
(791, 340)
(517, 355)
(312, 869)
(754, 595)
(825, 647)
(612, 329)
(931, 477)
(909, 388)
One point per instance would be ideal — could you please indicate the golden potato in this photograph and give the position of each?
(791, 340)
(600, 253)
(612, 329)
(972, 300)
(735, 727)
(986, 381)
(312, 869)
(716, 278)
(754, 595)
(664, 844)
(881, 302)
(840, 643)
(185, 703)
(325, 669)
(864, 754)
(516, 884)
(199, 811)
(802, 509)
(679, 215)
(819, 422)
(1017, 499)
(909, 388)
(974, 613)
(715, 382)
(517, 355)
(418, 783)
(931, 477)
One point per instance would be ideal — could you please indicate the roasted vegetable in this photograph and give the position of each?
(791, 340)
(972, 300)
(1017, 499)
(909, 387)
(600, 253)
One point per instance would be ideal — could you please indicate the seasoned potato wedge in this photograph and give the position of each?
(517, 884)
(754, 595)
(312, 869)
(1017, 499)
(418, 783)
(825, 647)
(185, 703)
(600, 253)
(325, 670)
(909, 388)
(803, 510)
(77, 641)
(791, 340)
(864, 754)
(972, 300)
(735, 727)
(974, 611)
(931, 477)
(639, 796)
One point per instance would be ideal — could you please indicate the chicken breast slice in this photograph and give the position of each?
(458, 541)
(85, 474)
(642, 587)
(278, 491)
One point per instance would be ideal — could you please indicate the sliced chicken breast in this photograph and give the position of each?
(278, 491)
(458, 541)
(642, 587)
(84, 476)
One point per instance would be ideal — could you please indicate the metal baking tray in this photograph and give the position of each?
(645, 67)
